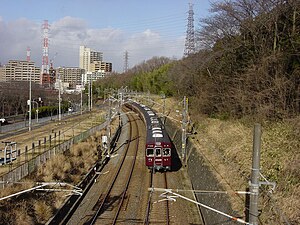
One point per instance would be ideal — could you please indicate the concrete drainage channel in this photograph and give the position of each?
(202, 178)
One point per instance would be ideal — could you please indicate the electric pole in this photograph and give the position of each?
(164, 105)
(184, 128)
(29, 101)
(91, 82)
(59, 98)
(255, 173)
(108, 126)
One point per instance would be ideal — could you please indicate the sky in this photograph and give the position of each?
(144, 28)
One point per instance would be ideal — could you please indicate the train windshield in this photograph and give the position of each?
(158, 152)
(167, 152)
(150, 152)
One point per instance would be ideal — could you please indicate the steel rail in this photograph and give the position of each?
(129, 178)
(167, 202)
(149, 201)
(148, 211)
(95, 216)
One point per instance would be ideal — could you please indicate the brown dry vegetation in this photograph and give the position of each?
(231, 153)
(227, 148)
(38, 207)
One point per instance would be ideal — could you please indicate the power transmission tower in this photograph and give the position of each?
(126, 67)
(190, 33)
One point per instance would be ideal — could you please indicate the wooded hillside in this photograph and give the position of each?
(248, 63)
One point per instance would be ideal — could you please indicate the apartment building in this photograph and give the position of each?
(19, 70)
(71, 75)
(2, 73)
(88, 56)
(98, 66)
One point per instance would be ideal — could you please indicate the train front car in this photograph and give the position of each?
(158, 146)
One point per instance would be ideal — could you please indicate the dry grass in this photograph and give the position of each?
(22, 215)
(69, 167)
(227, 147)
(43, 211)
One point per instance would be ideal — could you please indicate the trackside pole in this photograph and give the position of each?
(184, 127)
(254, 183)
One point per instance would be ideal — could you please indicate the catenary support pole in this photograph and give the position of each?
(29, 102)
(108, 131)
(254, 185)
(59, 98)
(184, 127)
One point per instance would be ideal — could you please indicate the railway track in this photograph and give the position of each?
(120, 193)
(157, 208)
(108, 196)
(116, 194)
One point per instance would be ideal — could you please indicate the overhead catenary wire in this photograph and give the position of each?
(210, 191)
(169, 191)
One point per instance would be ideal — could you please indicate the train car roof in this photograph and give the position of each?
(155, 136)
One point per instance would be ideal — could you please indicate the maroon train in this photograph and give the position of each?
(158, 149)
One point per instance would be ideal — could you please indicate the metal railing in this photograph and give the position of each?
(30, 159)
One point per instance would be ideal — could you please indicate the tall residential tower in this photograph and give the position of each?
(88, 56)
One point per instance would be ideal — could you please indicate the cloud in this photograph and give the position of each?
(68, 33)
(15, 36)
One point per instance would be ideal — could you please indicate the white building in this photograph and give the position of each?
(88, 56)
(92, 76)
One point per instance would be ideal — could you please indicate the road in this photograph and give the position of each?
(4, 129)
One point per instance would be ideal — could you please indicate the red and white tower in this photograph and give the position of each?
(28, 54)
(45, 59)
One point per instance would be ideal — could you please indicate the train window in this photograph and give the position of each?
(156, 132)
(158, 152)
(150, 152)
(156, 128)
(167, 152)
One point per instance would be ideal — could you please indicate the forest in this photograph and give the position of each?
(247, 63)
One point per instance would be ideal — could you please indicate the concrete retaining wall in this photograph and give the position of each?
(202, 178)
